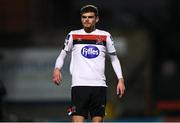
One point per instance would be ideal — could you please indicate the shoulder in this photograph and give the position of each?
(76, 31)
(69, 35)
(103, 32)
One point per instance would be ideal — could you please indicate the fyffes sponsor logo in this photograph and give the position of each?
(90, 52)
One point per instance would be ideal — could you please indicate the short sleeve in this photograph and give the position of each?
(68, 43)
(110, 44)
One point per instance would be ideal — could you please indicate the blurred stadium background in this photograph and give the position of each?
(146, 36)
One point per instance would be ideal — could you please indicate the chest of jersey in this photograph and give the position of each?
(89, 46)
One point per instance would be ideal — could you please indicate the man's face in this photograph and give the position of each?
(89, 19)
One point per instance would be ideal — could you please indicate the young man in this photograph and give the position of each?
(88, 46)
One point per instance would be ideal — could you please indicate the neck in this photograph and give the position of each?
(89, 30)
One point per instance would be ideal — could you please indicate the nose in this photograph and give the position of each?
(87, 20)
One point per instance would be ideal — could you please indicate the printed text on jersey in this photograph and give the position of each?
(90, 51)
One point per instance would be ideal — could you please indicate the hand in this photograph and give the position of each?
(57, 77)
(120, 87)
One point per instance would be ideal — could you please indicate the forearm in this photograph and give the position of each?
(116, 66)
(60, 59)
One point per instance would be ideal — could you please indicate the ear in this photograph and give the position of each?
(97, 19)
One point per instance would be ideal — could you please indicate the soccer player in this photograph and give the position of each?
(88, 46)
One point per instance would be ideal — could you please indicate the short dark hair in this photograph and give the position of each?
(89, 8)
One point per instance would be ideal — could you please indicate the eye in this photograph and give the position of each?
(90, 16)
(84, 17)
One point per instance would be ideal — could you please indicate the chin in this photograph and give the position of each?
(87, 27)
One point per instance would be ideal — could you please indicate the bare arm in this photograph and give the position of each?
(120, 87)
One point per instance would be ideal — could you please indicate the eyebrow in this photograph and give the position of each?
(87, 16)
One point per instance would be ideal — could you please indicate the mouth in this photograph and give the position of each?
(86, 23)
